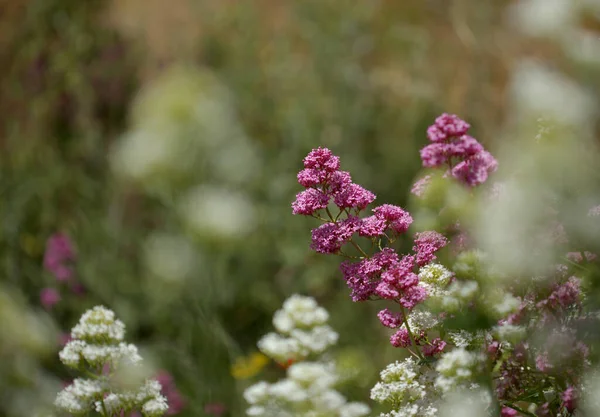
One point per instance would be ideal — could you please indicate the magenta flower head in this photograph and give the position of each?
(324, 181)
(569, 399)
(309, 201)
(398, 219)
(322, 159)
(170, 391)
(451, 147)
(49, 297)
(420, 186)
(426, 244)
(215, 409)
(59, 252)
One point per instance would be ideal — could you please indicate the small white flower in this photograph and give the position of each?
(288, 390)
(510, 333)
(316, 340)
(455, 367)
(508, 305)
(315, 375)
(327, 401)
(70, 355)
(99, 324)
(155, 407)
(281, 348)
(354, 409)
(257, 393)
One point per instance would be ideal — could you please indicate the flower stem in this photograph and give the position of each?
(410, 335)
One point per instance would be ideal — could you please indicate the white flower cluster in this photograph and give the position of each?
(306, 392)
(456, 368)
(98, 345)
(99, 325)
(458, 294)
(147, 396)
(303, 331)
(408, 388)
(422, 320)
(308, 389)
(434, 278)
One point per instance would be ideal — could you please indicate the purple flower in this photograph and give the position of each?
(215, 409)
(426, 244)
(362, 277)
(420, 186)
(569, 398)
(330, 237)
(463, 154)
(339, 180)
(576, 257)
(309, 201)
(387, 291)
(451, 125)
(434, 155)
(59, 252)
(396, 216)
(325, 239)
(474, 171)
(354, 196)
(542, 362)
(563, 295)
(401, 338)
(508, 412)
(170, 391)
(322, 159)
(49, 297)
(372, 226)
(436, 346)
(389, 318)
(413, 296)
(464, 147)
(310, 177)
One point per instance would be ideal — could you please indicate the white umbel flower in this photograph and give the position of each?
(98, 344)
(307, 391)
(457, 367)
(99, 324)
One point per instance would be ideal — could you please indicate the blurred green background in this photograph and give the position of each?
(164, 138)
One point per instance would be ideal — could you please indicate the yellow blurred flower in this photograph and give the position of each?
(247, 366)
(31, 244)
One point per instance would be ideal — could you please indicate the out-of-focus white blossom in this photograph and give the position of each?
(472, 402)
(546, 18)
(218, 212)
(169, 257)
(308, 389)
(97, 344)
(408, 388)
(303, 328)
(456, 368)
(510, 333)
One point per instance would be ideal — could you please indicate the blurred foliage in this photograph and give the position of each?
(364, 78)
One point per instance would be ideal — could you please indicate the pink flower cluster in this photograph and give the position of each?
(325, 182)
(170, 391)
(382, 274)
(452, 147)
(59, 253)
(58, 260)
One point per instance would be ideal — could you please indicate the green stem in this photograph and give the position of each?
(358, 248)
(519, 409)
(410, 335)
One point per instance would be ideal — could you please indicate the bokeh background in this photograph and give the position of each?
(163, 138)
